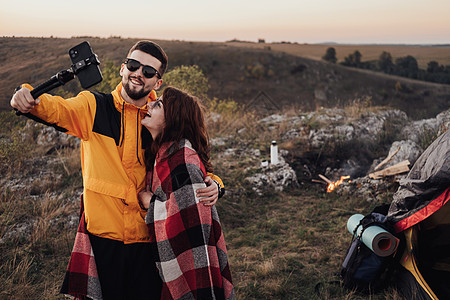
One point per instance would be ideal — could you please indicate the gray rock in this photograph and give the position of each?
(320, 94)
(371, 124)
(443, 120)
(415, 130)
(276, 119)
(328, 115)
(365, 187)
(218, 141)
(408, 150)
(273, 119)
(292, 134)
(346, 132)
(273, 178)
(340, 128)
(48, 136)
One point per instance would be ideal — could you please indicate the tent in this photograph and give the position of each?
(421, 211)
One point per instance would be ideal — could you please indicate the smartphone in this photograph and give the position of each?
(86, 64)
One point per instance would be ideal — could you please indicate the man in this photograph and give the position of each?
(112, 159)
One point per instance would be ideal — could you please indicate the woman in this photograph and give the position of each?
(189, 247)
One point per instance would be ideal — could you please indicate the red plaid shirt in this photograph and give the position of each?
(189, 247)
(81, 278)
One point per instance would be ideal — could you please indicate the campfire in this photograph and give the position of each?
(331, 185)
(396, 169)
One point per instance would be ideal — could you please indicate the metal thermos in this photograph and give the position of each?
(274, 153)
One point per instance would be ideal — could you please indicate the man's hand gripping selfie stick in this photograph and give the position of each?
(62, 77)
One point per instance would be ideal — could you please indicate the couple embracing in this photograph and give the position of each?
(148, 228)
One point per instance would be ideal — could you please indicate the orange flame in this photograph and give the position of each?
(331, 186)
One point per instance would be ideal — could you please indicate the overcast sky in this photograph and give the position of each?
(315, 21)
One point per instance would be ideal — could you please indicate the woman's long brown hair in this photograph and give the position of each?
(184, 118)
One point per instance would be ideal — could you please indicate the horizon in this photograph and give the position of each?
(330, 43)
(404, 22)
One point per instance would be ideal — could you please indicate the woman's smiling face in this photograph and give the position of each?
(154, 121)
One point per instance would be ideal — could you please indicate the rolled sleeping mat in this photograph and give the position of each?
(377, 239)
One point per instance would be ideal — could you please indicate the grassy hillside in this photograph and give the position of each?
(240, 71)
(281, 244)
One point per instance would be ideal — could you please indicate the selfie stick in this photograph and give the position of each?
(59, 79)
(62, 77)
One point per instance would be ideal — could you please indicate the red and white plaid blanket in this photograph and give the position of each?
(189, 247)
(81, 278)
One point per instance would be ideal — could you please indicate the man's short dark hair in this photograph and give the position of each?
(154, 50)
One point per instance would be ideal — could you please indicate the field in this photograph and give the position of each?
(423, 54)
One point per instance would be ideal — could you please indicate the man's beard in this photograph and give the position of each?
(135, 95)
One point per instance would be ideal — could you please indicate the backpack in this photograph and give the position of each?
(362, 269)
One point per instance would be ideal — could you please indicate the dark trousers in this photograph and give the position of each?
(126, 271)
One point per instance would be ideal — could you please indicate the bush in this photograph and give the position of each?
(188, 78)
(111, 77)
(330, 55)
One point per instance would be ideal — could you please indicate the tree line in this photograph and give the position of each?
(403, 66)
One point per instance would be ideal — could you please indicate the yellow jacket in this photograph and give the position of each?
(112, 158)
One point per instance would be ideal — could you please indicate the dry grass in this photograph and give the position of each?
(33, 260)
(39, 202)
(280, 245)
(289, 243)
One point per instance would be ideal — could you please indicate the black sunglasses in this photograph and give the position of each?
(148, 71)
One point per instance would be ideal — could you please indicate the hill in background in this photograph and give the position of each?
(237, 71)
(281, 243)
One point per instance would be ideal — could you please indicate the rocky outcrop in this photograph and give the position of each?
(417, 129)
(47, 136)
(273, 178)
(340, 127)
(321, 127)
